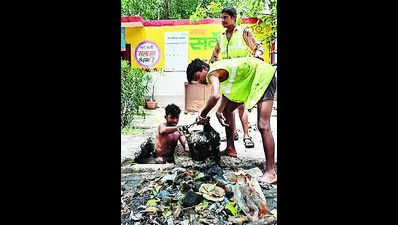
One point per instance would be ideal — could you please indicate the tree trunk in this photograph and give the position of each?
(166, 9)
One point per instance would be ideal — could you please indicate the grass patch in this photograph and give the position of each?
(132, 131)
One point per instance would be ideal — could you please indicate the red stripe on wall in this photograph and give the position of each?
(150, 23)
(131, 19)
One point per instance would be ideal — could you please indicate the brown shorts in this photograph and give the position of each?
(270, 91)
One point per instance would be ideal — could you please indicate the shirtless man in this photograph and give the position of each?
(168, 134)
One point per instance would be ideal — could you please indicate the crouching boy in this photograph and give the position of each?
(168, 134)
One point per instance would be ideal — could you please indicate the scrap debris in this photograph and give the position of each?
(204, 195)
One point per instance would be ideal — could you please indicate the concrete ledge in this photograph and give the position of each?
(241, 163)
(268, 220)
(139, 168)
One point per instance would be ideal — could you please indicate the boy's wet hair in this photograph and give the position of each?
(231, 11)
(195, 66)
(173, 110)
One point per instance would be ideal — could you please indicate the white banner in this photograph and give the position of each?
(175, 51)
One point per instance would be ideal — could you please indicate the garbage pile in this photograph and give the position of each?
(197, 191)
(205, 194)
(204, 143)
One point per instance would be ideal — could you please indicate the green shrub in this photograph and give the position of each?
(134, 88)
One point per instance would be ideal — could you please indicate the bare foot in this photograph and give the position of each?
(269, 177)
(160, 159)
(229, 152)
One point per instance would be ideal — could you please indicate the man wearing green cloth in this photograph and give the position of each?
(240, 81)
(236, 42)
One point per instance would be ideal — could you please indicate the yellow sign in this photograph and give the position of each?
(148, 42)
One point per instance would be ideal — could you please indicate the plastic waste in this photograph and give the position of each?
(200, 208)
(191, 199)
(254, 172)
(152, 202)
(171, 177)
(185, 222)
(213, 170)
(239, 220)
(135, 216)
(249, 199)
(152, 209)
(162, 194)
(212, 192)
(231, 207)
(177, 212)
(170, 221)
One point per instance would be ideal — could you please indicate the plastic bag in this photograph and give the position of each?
(249, 197)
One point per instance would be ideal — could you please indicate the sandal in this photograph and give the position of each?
(248, 142)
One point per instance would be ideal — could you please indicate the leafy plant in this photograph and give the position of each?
(134, 88)
(212, 10)
(264, 10)
(154, 73)
(158, 9)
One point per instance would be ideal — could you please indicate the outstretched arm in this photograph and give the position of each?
(219, 113)
(213, 99)
(163, 129)
(184, 142)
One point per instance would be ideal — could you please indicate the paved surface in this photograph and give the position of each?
(156, 116)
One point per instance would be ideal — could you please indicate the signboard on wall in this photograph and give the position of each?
(147, 53)
(123, 40)
(175, 51)
(202, 39)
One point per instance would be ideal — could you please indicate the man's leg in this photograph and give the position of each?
(264, 109)
(229, 131)
(244, 119)
(236, 136)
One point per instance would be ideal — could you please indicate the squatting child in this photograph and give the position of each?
(168, 134)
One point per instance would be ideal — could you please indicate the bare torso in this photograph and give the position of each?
(166, 143)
